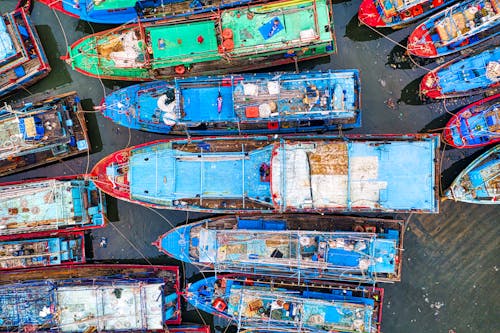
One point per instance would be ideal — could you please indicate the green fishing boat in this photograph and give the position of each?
(237, 39)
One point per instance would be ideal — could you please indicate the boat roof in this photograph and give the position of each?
(469, 73)
(373, 175)
(171, 42)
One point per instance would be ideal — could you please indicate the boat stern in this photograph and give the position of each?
(368, 14)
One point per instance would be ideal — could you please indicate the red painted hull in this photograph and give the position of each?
(57, 5)
(447, 135)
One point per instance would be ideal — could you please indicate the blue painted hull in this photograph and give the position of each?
(140, 10)
(352, 249)
(240, 104)
(88, 297)
(464, 76)
(478, 183)
(282, 307)
(315, 173)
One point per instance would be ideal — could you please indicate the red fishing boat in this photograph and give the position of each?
(396, 13)
(476, 125)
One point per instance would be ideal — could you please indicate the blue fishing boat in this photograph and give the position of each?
(22, 58)
(283, 306)
(480, 182)
(240, 104)
(397, 13)
(65, 249)
(127, 11)
(303, 246)
(43, 207)
(90, 298)
(41, 129)
(271, 174)
(476, 125)
(455, 28)
(464, 76)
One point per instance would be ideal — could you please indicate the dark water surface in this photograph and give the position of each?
(451, 259)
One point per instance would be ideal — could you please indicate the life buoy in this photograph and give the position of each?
(227, 33)
(371, 228)
(180, 69)
(272, 125)
(219, 304)
(228, 45)
(359, 228)
(417, 10)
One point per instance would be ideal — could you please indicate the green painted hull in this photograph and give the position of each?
(237, 39)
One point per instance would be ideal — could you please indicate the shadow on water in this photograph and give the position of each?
(398, 58)
(59, 74)
(112, 209)
(117, 84)
(460, 162)
(410, 94)
(438, 124)
(92, 126)
(90, 28)
(358, 32)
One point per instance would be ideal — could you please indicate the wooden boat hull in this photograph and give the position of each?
(476, 125)
(259, 244)
(246, 38)
(30, 209)
(24, 61)
(66, 249)
(479, 183)
(188, 176)
(249, 302)
(451, 30)
(374, 14)
(61, 289)
(463, 76)
(240, 104)
(57, 124)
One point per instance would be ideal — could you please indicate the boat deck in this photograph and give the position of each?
(468, 74)
(48, 205)
(189, 175)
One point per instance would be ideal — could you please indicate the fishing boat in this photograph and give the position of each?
(240, 104)
(453, 29)
(475, 125)
(40, 130)
(236, 39)
(66, 249)
(480, 182)
(464, 76)
(22, 58)
(283, 306)
(397, 13)
(272, 174)
(43, 207)
(303, 246)
(90, 298)
(128, 11)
